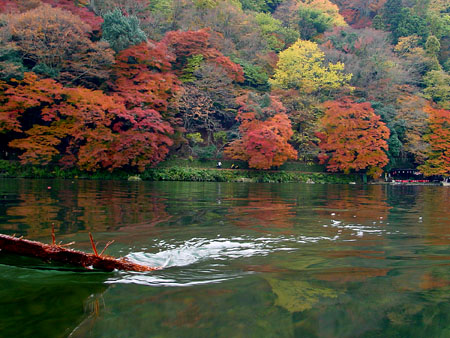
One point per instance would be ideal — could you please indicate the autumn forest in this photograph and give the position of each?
(358, 86)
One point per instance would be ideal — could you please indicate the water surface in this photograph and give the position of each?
(239, 260)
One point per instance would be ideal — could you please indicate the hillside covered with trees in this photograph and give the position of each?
(359, 86)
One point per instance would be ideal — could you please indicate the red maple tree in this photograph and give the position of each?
(82, 127)
(265, 132)
(353, 137)
(189, 43)
(438, 156)
(79, 8)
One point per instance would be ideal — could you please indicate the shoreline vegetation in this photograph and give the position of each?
(188, 170)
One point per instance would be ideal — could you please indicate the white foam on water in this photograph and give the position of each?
(213, 254)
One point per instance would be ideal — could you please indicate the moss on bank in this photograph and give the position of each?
(178, 173)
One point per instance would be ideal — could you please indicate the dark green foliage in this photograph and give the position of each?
(11, 65)
(395, 145)
(255, 76)
(13, 169)
(409, 24)
(211, 175)
(47, 71)
(205, 153)
(182, 170)
(391, 11)
(344, 40)
(396, 127)
(265, 6)
(121, 31)
(432, 46)
(378, 22)
(446, 66)
(402, 21)
(312, 22)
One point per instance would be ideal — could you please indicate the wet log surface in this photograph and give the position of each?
(61, 254)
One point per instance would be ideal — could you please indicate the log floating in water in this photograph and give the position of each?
(58, 253)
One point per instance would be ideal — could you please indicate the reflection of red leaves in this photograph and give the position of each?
(262, 212)
(191, 314)
(350, 274)
(366, 254)
(358, 208)
(429, 282)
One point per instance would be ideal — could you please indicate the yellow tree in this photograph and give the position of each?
(302, 67)
(326, 7)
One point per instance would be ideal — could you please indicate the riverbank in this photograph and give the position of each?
(185, 170)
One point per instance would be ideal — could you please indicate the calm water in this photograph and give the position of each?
(240, 260)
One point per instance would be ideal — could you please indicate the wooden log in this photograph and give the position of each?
(59, 253)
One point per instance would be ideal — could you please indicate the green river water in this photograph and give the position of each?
(239, 260)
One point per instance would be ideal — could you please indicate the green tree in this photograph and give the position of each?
(402, 21)
(121, 31)
(312, 22)
(438, 87)
(266, 6)
(255, 76)
(276, 36)
(433, 46)
(193, 63)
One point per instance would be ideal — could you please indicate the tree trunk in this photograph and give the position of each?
(57, 253)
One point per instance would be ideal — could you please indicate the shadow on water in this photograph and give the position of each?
(42, 300)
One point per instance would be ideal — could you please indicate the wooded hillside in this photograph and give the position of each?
(109, 84)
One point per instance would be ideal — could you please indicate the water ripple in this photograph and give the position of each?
(179, 260)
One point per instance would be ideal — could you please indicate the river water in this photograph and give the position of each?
(238, 259)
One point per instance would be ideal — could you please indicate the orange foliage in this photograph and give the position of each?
(189, 43)
(59, 40)
(438, 161)
(353, 138)
(358, 13)
(264, 143)
(14, 6)
(143, 77)
(87, 128)
(78, 7)
(413, 111)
